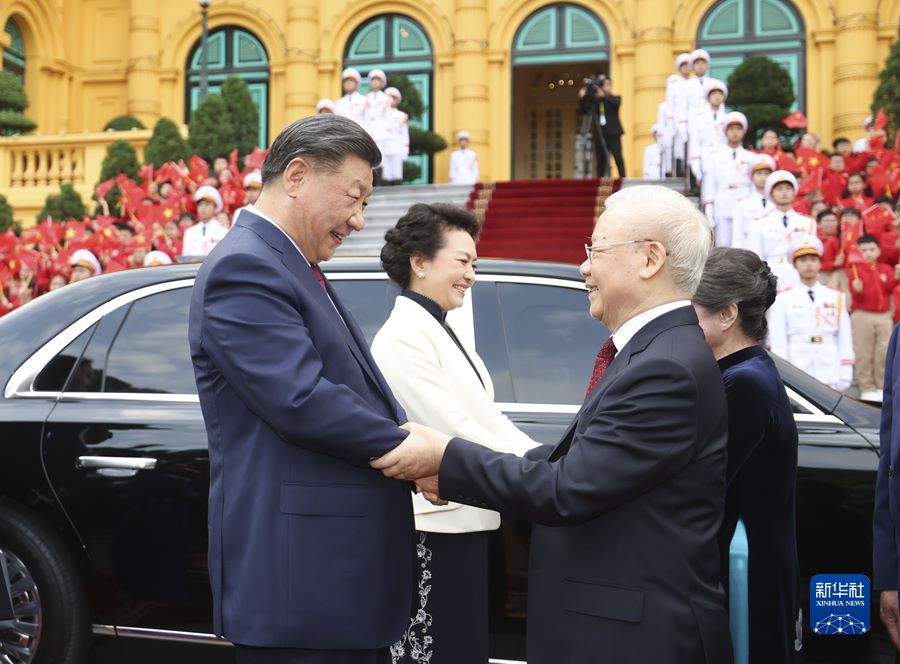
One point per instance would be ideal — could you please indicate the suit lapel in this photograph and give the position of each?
(668, 320)
(298, 266)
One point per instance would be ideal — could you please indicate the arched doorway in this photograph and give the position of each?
(14, 55)
(231, 51)
(554, 50)
(397, 44)
(735, 29)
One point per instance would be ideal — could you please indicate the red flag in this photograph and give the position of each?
(854, 255)
(810, 183)
(785, 162)
(233, 164)
(881, 120)
(255, 159)
(104, 187)
(146, 174)
(795, 120)
(8, 241)
(199, 169)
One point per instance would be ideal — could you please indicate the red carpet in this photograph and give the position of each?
(546, 220)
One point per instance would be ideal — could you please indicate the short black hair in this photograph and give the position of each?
(738, 276)
(839, 140)
(324, 140)
(421, 231)
(885, 199)
(824, 213)
(851, 212)
(867, 239)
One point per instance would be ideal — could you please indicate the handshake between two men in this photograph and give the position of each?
(418, 459)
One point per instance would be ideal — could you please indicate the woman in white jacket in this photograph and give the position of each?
(440, 381)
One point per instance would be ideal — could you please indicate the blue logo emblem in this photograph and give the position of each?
(839, 604)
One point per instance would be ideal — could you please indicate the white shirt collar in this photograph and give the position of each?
(259, 213)
(633, 325)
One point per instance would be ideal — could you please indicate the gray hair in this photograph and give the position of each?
(675, 222)
(323, 140)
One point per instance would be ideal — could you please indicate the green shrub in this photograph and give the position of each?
(123, 123)
(165, 144)
(67, 203)
(12, 103)
(762, 90)
(211, 131)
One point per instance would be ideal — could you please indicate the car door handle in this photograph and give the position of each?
(119, 463)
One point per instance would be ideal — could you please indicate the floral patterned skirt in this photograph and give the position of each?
(450, 624)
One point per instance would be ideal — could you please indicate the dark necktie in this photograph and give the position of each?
(202, 229)
(812, 298)
(764, 201)
(784, 220)
(319, 276)
(733, 155)
(601, 364)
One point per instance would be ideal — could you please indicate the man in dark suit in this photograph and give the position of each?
(606, 125)
(887, 497)
(624, 562)
(310, 550)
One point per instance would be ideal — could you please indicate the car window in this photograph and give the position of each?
(490, 340)
(369, 301)
(551, 341)
(150, 353)
(53, 376)
(90, 372)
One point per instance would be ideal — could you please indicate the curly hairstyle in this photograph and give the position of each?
(421, 231)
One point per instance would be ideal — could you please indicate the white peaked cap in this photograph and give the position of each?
(378, 73)
(711, 84)
(325, 103)
(84, 258)
(736, 117)
(463, 134)
(683, 58)
(211, 194)
(253, 179)
(762, 161)
(699, 54)
(157, 258)
(350, 72)
(776, 177)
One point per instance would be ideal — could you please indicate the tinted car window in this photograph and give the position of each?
(369, 301)
(53, 376)
(90, 373)
(551, 341)
(150, 352)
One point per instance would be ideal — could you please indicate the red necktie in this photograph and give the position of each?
(601, 364)
(319, 276)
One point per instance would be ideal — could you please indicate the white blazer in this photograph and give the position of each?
(437, 387)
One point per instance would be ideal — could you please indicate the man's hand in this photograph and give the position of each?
(890, 615)
(429, 488)
(419, 455)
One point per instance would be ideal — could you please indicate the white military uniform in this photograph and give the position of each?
(352, 106)
(396, 144)
(677, 113)
(463, 167)
(746, 211)
(706, 129)
(726, 179)
(377, 106)
(200, 238)
(813, 332)
(771, 237)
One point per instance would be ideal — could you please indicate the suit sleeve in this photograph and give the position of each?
(645, 433)
(885, 563)
(256, 337)
(417, 379)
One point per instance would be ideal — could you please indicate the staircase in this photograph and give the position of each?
(539, 219)
(388, 204)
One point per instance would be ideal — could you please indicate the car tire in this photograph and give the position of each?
(37, 560)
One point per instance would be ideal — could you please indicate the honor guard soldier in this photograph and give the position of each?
(463, 162)
(772, 234)
(726, 177)
(654, 156)
(84, 264)
(809, 324)
(755, 204)
(200, 238)
(353, 104)
(378, 104)
(252, 187)
(695, 88)
(396, 143)
(706, 124)
(677, 110)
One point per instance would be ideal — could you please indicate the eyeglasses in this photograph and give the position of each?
(590, 249)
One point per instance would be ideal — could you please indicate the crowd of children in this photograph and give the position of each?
(179, 209)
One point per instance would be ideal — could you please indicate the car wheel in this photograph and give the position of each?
(51, 623)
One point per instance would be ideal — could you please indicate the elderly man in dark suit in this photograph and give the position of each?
(310, 550)
(624, 559)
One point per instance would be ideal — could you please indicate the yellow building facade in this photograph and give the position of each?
(505, 70)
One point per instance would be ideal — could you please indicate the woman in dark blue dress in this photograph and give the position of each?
(731, 302)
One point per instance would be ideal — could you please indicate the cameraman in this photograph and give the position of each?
(597, 99)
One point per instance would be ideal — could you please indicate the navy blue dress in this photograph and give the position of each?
(762, 476)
